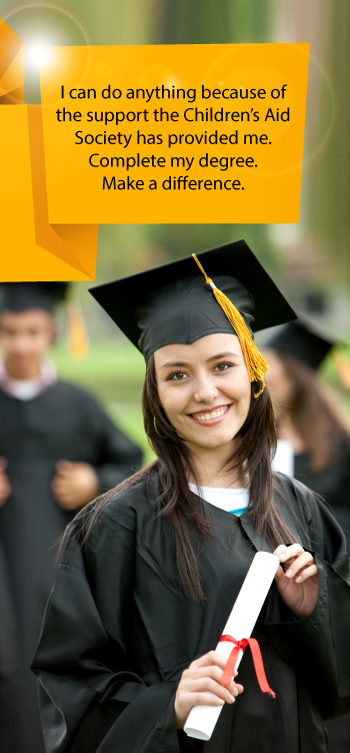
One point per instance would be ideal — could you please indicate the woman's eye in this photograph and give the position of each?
(177, 376)
(222, 366)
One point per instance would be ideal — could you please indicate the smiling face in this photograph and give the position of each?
(204, 390)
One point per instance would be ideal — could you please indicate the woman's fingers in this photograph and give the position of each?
(295, 566)
(280, 550)
(211, 671)
(214, 673)
(209, 685)
(212, 657)
(215, 676)
(297, 579)
(286, 552)
(310, 572)
(297, 563)
(201, 684)
(205, 699)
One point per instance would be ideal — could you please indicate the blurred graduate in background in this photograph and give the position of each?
(314, 433)
(58, 450)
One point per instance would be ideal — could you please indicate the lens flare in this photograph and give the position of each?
(38, 54)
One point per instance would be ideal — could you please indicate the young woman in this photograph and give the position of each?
(150, 572)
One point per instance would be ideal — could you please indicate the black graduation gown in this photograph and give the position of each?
(63, 422)
(333, 483)
(118, 632)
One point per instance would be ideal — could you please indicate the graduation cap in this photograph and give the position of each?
(21, 296)
(301, 341)
(189, 298)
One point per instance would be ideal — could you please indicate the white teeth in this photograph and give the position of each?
(210, 416)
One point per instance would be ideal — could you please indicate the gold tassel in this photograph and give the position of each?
(342, 366)
(77, 332)
(256, 364)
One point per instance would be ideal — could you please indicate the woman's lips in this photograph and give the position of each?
(208, 418)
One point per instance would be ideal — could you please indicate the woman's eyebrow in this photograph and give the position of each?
(171, 364)
(223, 355)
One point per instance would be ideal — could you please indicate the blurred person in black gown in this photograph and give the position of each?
(310, 418)
(58, 449)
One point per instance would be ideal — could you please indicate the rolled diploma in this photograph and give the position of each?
(247, 607)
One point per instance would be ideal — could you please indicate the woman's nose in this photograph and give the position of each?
(205, 390)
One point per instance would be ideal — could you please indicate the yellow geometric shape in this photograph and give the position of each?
(31, 248)
(11, 66)
(12, 82)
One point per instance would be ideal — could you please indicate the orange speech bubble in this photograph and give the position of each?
(174, 133)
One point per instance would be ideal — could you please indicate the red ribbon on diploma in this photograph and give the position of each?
(257, 659)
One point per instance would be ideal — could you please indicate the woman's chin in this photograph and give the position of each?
(210, 442)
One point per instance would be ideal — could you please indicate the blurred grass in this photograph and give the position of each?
(114, 372)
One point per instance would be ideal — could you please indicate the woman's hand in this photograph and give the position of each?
(297, 584)
(200, 684)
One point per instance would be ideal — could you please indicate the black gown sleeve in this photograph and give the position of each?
(90, 698)
(318, 646)
(117, 456)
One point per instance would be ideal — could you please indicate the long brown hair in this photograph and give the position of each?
(315, 415)
(174, 463)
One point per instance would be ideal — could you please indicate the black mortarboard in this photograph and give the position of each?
(300, 340)
(20, 296)
(173, 304)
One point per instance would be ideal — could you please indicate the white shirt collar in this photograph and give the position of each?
(27, 389)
